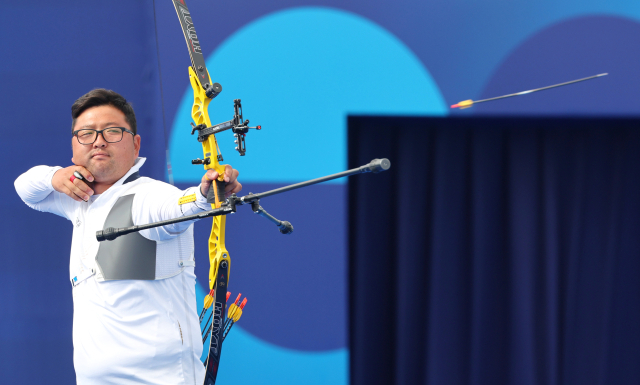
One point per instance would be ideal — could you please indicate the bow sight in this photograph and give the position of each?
(238, 125)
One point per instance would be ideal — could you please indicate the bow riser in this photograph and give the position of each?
(199, 114)
(217, 250)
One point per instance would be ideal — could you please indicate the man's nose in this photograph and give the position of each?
(100, 142)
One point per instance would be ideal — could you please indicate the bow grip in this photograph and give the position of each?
(216, 191)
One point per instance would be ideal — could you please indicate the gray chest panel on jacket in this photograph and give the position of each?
(130, 256)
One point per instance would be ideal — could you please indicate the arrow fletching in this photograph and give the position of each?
(463, 104)
(234, 312)
(208, 300)
(231, 311)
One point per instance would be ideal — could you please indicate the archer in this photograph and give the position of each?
(135, 317)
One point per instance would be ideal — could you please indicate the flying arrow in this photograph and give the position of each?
(468, 103)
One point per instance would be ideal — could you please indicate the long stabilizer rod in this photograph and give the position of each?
(111, 233)
(375, 166)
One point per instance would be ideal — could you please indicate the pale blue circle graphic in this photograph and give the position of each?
(299, 73)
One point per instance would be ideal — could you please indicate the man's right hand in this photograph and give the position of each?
(78, 190)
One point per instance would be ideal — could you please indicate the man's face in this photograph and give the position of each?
(108, 162)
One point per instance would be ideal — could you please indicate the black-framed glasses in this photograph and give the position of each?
(110, 135)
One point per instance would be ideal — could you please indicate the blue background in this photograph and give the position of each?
(300, 69)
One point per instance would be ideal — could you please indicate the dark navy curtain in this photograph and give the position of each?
(495, 251)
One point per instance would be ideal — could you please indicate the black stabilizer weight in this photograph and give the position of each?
(108, 234)
(379, 165)
(285, 227)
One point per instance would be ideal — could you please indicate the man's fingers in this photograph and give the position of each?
(230, 174)
(231, 177)
(210, 175)
(80, 189)
(65, 182)
(67, 191)
(232, 189)
(79, 198)
(86, 175)
(237, 188)
(227, 172)
(80, 194)
(84, 172)
(206, 181)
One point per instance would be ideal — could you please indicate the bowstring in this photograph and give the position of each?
(164, 122)
(170, 177)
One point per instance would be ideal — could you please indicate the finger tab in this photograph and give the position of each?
(77, 175)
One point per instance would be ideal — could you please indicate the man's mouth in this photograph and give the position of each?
(100, 155)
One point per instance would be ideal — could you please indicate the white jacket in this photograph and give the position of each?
(129, 331)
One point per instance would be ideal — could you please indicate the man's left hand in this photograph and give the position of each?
(230, 176)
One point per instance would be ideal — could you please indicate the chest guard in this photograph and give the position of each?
(131, 256)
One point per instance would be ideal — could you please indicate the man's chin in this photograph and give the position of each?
(99, 170)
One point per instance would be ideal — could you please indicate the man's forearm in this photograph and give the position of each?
(34, 186)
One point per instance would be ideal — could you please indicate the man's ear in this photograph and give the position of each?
(136, 144)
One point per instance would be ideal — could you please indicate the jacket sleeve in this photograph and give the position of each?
(161, 203)
(35, 189)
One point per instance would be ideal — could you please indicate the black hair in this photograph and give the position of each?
(102, 97)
